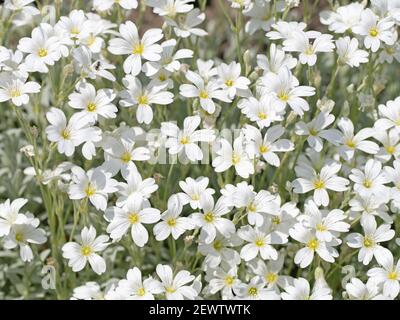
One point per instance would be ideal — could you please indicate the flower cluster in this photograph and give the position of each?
(172, 155)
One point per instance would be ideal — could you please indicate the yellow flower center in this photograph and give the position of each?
(313, 132)
(42, 52)
(393, 275)
(367, 183)
(90, 190)
(368, 242)
(133, 218)
(170, 290)
(390, 50)
(373, 32)
(276, 220)
(91, 107)
(86, 250)
(141, 292)
(350, 143)
(262, 115)
(309, 50)
(321, 227)
(390, 149)
(217, 245)
(203, 94)
(235, 159)
(195, 197)
(259, 242)
(229, 83)
(184, 140)
(19, 237)
(90, 40)
(138, 49)
(65, 134)
(126, 157)
(251, 207)
(283, 96)
(313, 244)
(319, 184)
(143, 100)
(253, 291)
(162, 77)
(15, 93)
(229, 280)
(263, 149)
(75, 30)
(271, 277)
(209, 217)
(171, 222)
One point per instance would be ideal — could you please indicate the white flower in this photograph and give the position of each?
(357, 290)
(9, 215)
(391, 145)
(89, 291)
(224, 281)
(390, 115)
(94, 185)
(326, 224)
(133, 215)
(175, 288)
(263, 111)
(315, 130)
(69, 135)
(312, 245)
(369, 206)
(92, 103)
(171, 222)
(134, 185)
(388, 275)
(260, 16)
(185, 141)
(259, 243)
(277, 60)
(286, 90)
(121, 151)
(79, 254)
(22, 235)
(375, 30)
(371, 181)
(143, 98)
(43, 49)
(186, 26)
(211, 219)
(344, 18)
(192, 190)
(135, 288)
(284, 29)
(268, 146)
(130, 43)
(231, 81)
(300, 290)
(170, 8)
(352, 142)
(348, 52)
(237, 157)
(300, 42)
(320, 182)
(393, 174)
(206, 92)
(16, 89)
(255, 290)
(369, 243)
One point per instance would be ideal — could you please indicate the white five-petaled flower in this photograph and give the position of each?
(16, 89)
(348, 52)
(186, 141)
(285, 88)
(129, 43)
(192, 189)
(143, 97)
(369, 243)
(211, 219)
(236, 156)
(375, 30)
(134, 214)
(92, 103)
(172, 223)
(175, 288)
(231, 80)
(79, 254)
(326, 179)
(205, 91)
(9, 215)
